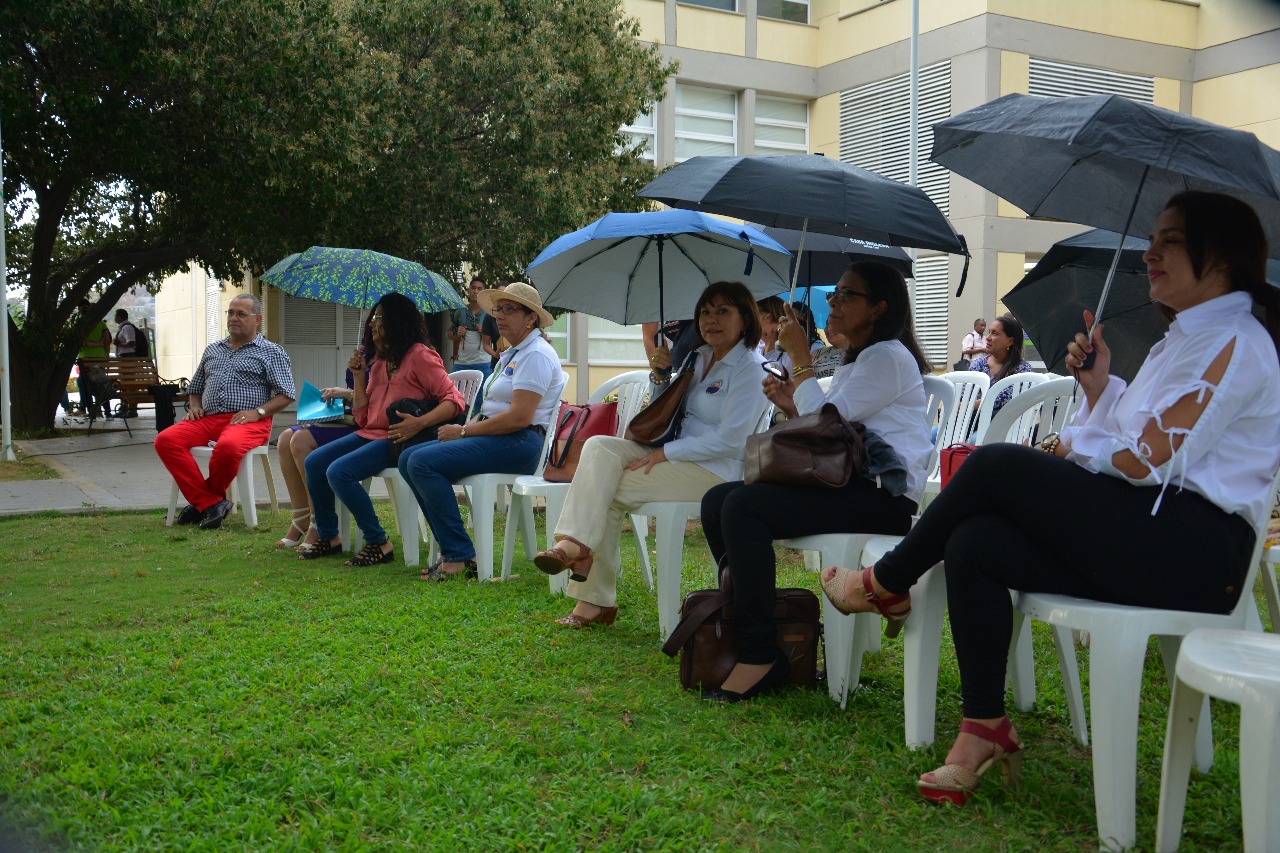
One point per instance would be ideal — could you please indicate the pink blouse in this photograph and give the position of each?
(421, 377)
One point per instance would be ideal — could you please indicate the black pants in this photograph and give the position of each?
(1017, 518)
(742, 521)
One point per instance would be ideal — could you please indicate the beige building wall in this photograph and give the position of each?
(181, 329)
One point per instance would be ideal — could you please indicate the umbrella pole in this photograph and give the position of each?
(795, 275)
(1115, 259)
(662, 313)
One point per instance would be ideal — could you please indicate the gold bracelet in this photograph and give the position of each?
(1050, 442)
(796, 374)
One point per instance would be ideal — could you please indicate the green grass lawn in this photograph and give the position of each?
(171, 688)
(25, 469)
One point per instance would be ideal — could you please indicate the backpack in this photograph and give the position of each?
(141, 343)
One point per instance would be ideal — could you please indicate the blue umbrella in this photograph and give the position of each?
(359, 278)
(642, 267)
(816, 299)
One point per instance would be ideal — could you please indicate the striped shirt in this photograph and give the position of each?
(236, 380)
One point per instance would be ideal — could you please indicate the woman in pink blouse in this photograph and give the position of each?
(404, 367)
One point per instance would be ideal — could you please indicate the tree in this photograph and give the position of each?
(141, 136)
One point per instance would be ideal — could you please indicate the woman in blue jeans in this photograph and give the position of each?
(506, 437)
(404, 366)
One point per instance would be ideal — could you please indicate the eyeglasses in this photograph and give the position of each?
(844, 294)
(241, 314)
(776, 370)
(505, 310)
(376, 319)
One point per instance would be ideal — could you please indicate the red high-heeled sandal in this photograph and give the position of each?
(954, 784)
(833, 586)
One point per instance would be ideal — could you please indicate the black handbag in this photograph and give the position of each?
(707, 639)
(414, 408)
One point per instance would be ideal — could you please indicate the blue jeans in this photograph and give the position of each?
(337, 470)
(431, 469)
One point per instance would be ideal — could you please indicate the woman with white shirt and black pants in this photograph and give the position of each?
(881, 386)
(724, 403)
(1154, 490)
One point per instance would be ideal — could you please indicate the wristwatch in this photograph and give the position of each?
(262, 413)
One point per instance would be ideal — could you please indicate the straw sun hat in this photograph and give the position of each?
(524, 294)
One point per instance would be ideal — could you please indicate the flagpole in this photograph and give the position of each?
(6, 407)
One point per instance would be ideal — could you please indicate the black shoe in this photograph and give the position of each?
(770, 681)
(211, 518)
(469, 571)
(190, 515)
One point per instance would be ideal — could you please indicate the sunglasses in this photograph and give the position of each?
(844, 294)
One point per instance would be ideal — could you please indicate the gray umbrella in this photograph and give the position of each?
(1069, 278)
(1105, 161)
(827, 256)
(811, 193)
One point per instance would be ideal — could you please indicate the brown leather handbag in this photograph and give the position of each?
(707, 640)
(659, 422)
(818, 449)
(577, 424)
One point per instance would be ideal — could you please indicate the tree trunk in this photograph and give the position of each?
(37, 381)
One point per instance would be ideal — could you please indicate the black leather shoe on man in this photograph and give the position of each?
(212, 517)
(190, 515)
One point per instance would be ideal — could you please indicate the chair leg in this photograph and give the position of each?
(1116, 655)
(1272, 586)
(405, 508)
(248, 500)
(1175, 771)
(173, 505)
(482, 512)
(271, 482)
(528, 526)
(922, 650)
(1260, 773)
(640, 524)
(1022, 666)
(670, 536)
(1065, 646)
(519, 512)
(509, 539)
(555, 508)
(1169, 647)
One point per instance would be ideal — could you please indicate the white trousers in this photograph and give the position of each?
(604, 491)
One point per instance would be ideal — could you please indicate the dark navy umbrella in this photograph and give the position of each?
(1050, 299)
(827, 256)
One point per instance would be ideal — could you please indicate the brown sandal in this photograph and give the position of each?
(555, 561)
(603, 618)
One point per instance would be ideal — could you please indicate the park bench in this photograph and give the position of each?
(134, 382)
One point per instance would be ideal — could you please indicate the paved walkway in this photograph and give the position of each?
(108, 469)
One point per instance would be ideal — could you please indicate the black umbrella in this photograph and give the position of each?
(827, 256)
(1105, 161)
(810, 193)
(1050, 299)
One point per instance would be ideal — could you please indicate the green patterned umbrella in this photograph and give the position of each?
(360, 277)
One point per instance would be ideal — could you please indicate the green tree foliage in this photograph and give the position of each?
(142, 135)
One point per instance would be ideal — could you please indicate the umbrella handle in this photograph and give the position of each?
(795, 272)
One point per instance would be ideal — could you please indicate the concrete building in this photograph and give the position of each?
(831, 77)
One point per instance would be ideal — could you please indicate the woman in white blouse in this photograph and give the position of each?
(880, 386)
(724, 404)
(1155, 489)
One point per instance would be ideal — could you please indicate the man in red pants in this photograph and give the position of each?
(241, 382)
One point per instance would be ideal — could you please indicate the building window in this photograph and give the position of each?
(875, 128)
(558, 332)
(930, 305)
(611, 343)
(1057, 79)
(782, 126)
(706, 122)
(726, 5)
(796, 11)
(212, 309)
(640, 134)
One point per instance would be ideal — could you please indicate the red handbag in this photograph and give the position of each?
(577, 424)
(952, 458)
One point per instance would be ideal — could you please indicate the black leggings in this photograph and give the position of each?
(742, 521)
(1017, 518)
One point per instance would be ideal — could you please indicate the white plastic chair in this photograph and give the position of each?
(1236, 666)
(848, 638)
(1118, 637)
(468, 382)
(670, 520)
(241, 492)
(403, 503)
(632, 389)
(482, 493)
(1019, 382)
